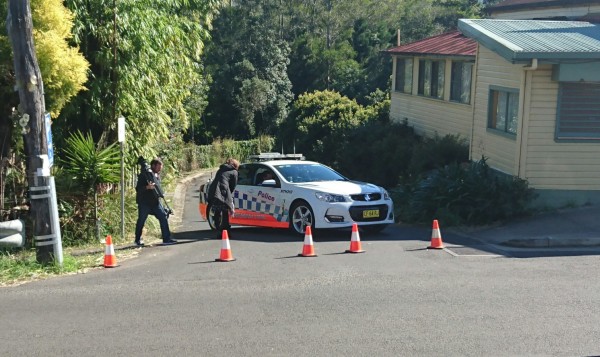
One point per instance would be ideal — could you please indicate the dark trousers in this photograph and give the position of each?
(222, 217)
(158, 212)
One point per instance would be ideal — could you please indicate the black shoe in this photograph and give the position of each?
(139, 244)
(169, 242)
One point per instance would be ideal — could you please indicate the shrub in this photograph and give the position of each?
(464, 194)
(378, 153)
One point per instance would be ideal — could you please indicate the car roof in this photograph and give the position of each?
(283, 162)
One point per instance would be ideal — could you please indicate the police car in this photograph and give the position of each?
(285, 191)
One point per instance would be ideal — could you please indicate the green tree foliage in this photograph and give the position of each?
(320, 124)
(378, 152)
(64, 69)
(449, 11)
(158, 45)
(247, 62)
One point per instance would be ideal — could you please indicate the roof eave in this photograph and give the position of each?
(426, 54)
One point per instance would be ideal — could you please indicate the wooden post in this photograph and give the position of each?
(31, 95)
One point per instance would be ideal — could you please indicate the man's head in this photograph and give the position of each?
(156, 165)
(267, 175)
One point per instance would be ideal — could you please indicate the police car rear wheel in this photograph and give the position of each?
(301, 216)
(210, 217)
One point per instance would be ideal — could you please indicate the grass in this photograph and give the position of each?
(20, 266)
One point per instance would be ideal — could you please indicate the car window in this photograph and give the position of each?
(264, 173)
(308, 173)
(245, 175)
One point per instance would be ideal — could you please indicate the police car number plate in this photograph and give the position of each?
(370, 213)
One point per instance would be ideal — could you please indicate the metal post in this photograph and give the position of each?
(122, 193)
(121, 138)
(58, 252)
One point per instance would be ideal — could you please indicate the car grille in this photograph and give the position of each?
(366, 197)
(357, 213)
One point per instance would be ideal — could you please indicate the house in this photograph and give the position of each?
(544, 9)
(432, 84)
(534, 104)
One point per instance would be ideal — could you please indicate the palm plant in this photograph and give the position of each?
(90, 166)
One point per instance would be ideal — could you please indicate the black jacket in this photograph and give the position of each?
(143, 195)
(221, 189)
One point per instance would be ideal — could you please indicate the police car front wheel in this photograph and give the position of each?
(301, 216)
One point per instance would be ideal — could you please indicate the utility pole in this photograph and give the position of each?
(32, 106)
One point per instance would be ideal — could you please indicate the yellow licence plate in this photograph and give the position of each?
(370, 213)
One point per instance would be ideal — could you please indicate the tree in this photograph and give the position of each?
(319, 125)
(62, 66)
(144, 59)
(247, 62)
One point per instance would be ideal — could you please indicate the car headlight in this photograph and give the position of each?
(328, 197)
(386, 195)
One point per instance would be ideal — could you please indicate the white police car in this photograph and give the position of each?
(285, 191)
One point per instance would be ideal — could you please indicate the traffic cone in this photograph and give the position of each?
(226, 255)
(436, 237)
(110, 260)
(308, 250)
(355, 246)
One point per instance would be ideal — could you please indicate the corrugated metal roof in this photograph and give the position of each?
(447, 44)
(526, 39)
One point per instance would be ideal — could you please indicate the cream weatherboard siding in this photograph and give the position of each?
(500, 150)
(430, 116)
(551, 164)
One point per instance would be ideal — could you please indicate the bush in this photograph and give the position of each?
(432, 153)
(378, 153)
(464, 194)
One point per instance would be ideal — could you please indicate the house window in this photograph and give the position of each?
(404, 69)
(504, 108)
(431, 78)
(460, 82)
(578, 112)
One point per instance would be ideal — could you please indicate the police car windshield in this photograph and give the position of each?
(308, 173)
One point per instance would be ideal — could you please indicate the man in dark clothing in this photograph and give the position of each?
(220, 193)
(148, 203)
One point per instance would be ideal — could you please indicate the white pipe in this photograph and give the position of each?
(534, 65)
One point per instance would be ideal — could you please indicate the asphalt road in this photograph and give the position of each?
(396, 299)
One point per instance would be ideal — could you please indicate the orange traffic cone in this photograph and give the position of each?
(355, 241)
(436, 237)
(308, 250)
(226, 255)
(110, 260)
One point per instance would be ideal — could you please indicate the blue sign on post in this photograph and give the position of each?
(49, 139)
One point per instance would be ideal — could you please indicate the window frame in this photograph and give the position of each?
(454, 82)
(572, 136)
(492, 119)
(406, 78)
(435, 89)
